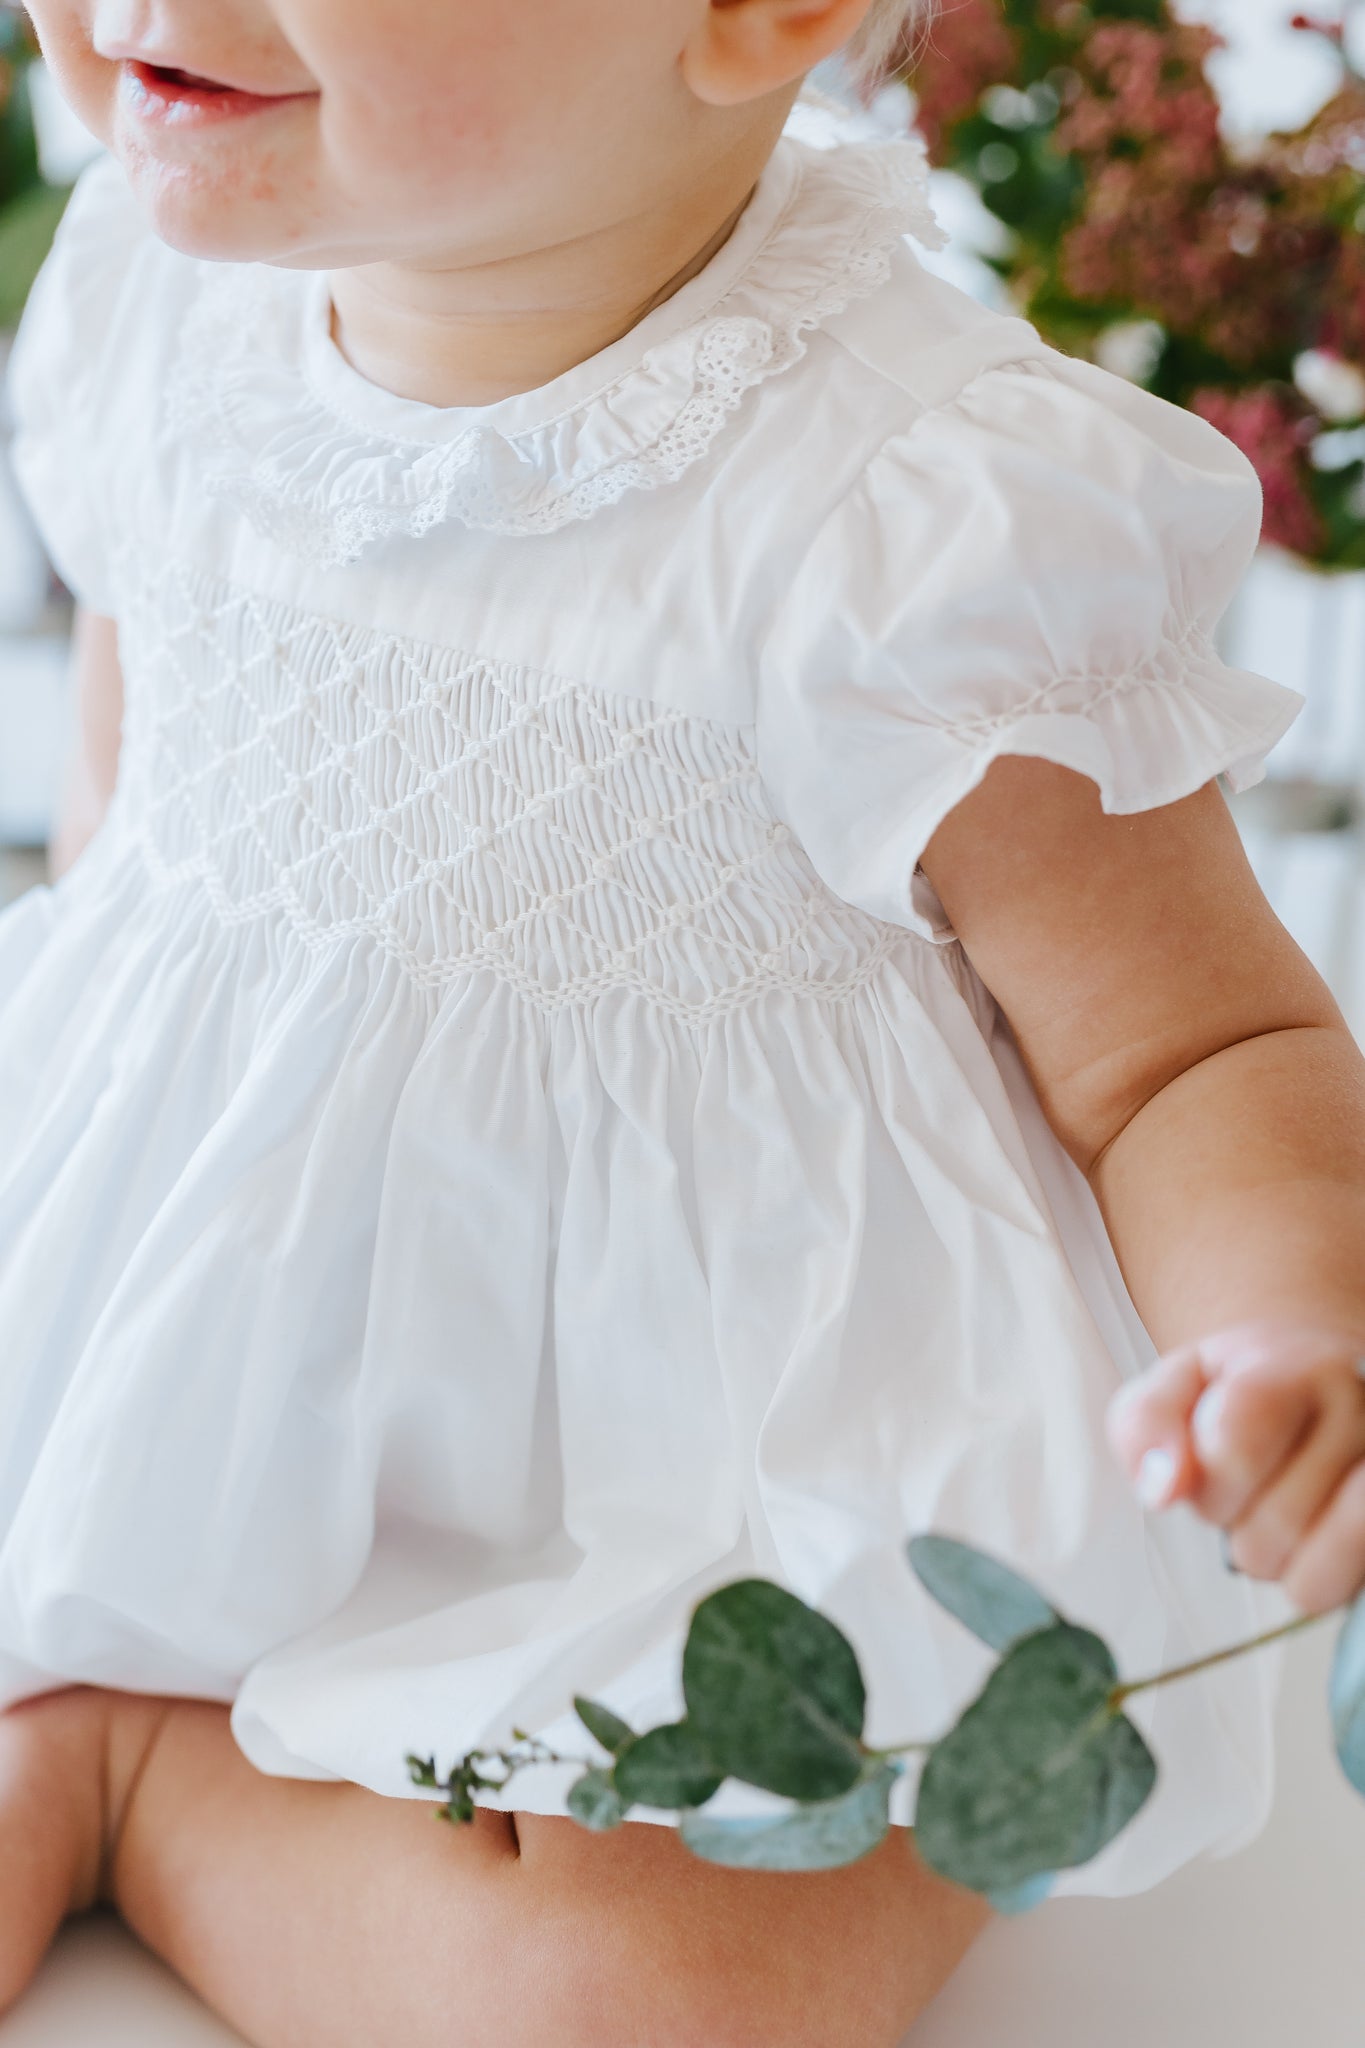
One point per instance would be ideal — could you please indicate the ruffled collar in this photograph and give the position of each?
(329, 465)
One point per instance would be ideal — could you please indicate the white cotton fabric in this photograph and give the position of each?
(496, 1136)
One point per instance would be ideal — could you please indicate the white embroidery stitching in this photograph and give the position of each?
(465, 812)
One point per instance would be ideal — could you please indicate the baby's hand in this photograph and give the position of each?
(1262, 1430)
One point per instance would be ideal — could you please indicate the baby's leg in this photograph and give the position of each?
(323, 1916)
(65, 1772)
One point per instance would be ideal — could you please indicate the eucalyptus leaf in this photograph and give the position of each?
(609, 1729)
(1041, 1771)
(595, 1802)
(1024, 1897)
(1129, 1765)
(668, 1766)
(1347, 1695)
(825, 1835)
(985, 1595)
(774, 1692)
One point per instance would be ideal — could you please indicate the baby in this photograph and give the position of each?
(649, 980)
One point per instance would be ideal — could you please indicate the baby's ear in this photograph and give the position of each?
(743, 50)
(1149, 1426)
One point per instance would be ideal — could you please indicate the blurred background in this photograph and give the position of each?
(42, 149)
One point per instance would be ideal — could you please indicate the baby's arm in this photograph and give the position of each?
(1199, 1073)
(92, 769)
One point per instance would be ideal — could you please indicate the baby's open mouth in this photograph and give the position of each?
(168, 92)
(172, 76)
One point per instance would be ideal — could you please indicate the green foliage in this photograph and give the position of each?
(1091, 132)
(985, 1595)
(774, 1692)
(1022, 1898)
(668, 1767)
(19, 170)
(824, 1835)
(595, 1802)
(29, 208)
(458, 1788)
(1040, 1773)
(27, 226)
(611, 1731)
(1347, 1696)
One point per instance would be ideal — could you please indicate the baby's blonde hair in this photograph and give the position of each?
(887, 21)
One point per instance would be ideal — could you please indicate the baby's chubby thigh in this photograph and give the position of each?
(312, 1914)
(678, 1953)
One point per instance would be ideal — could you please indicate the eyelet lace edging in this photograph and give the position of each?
(327, 488)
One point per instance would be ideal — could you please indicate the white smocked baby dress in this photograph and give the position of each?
(496, 1136)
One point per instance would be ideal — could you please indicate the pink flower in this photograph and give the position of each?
(1273, 427)
(1247, 259)
(1144, 88)
(1343, 322)
(971, 47)
(1227, 264)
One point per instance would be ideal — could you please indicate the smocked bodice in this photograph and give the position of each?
(461, 811)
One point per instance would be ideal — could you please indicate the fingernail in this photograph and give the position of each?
(1156, 1478)
(1207, 1422)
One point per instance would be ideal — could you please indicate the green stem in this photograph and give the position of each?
(902, 1749)
(1274, 1635)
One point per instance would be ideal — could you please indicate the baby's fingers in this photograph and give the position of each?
(1186, 1432)
(1328, 1568)
(1268, 1532)
(1149, 1428)
(1247, 1428)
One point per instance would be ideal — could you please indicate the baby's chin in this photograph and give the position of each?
(214, 215)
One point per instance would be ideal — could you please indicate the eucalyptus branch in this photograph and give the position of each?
(1040, 1773)
(1273, 1635)
(466, 1777)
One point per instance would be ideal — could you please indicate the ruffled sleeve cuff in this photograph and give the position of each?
(1036, 568)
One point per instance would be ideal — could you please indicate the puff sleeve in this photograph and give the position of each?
(56, 376)
(1034, 566)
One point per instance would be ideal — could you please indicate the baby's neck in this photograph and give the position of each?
(468, 335)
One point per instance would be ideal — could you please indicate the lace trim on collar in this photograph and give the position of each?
(328, 487)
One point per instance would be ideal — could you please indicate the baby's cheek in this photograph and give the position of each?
(440, 82)
(409, 89)
(475, 121)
